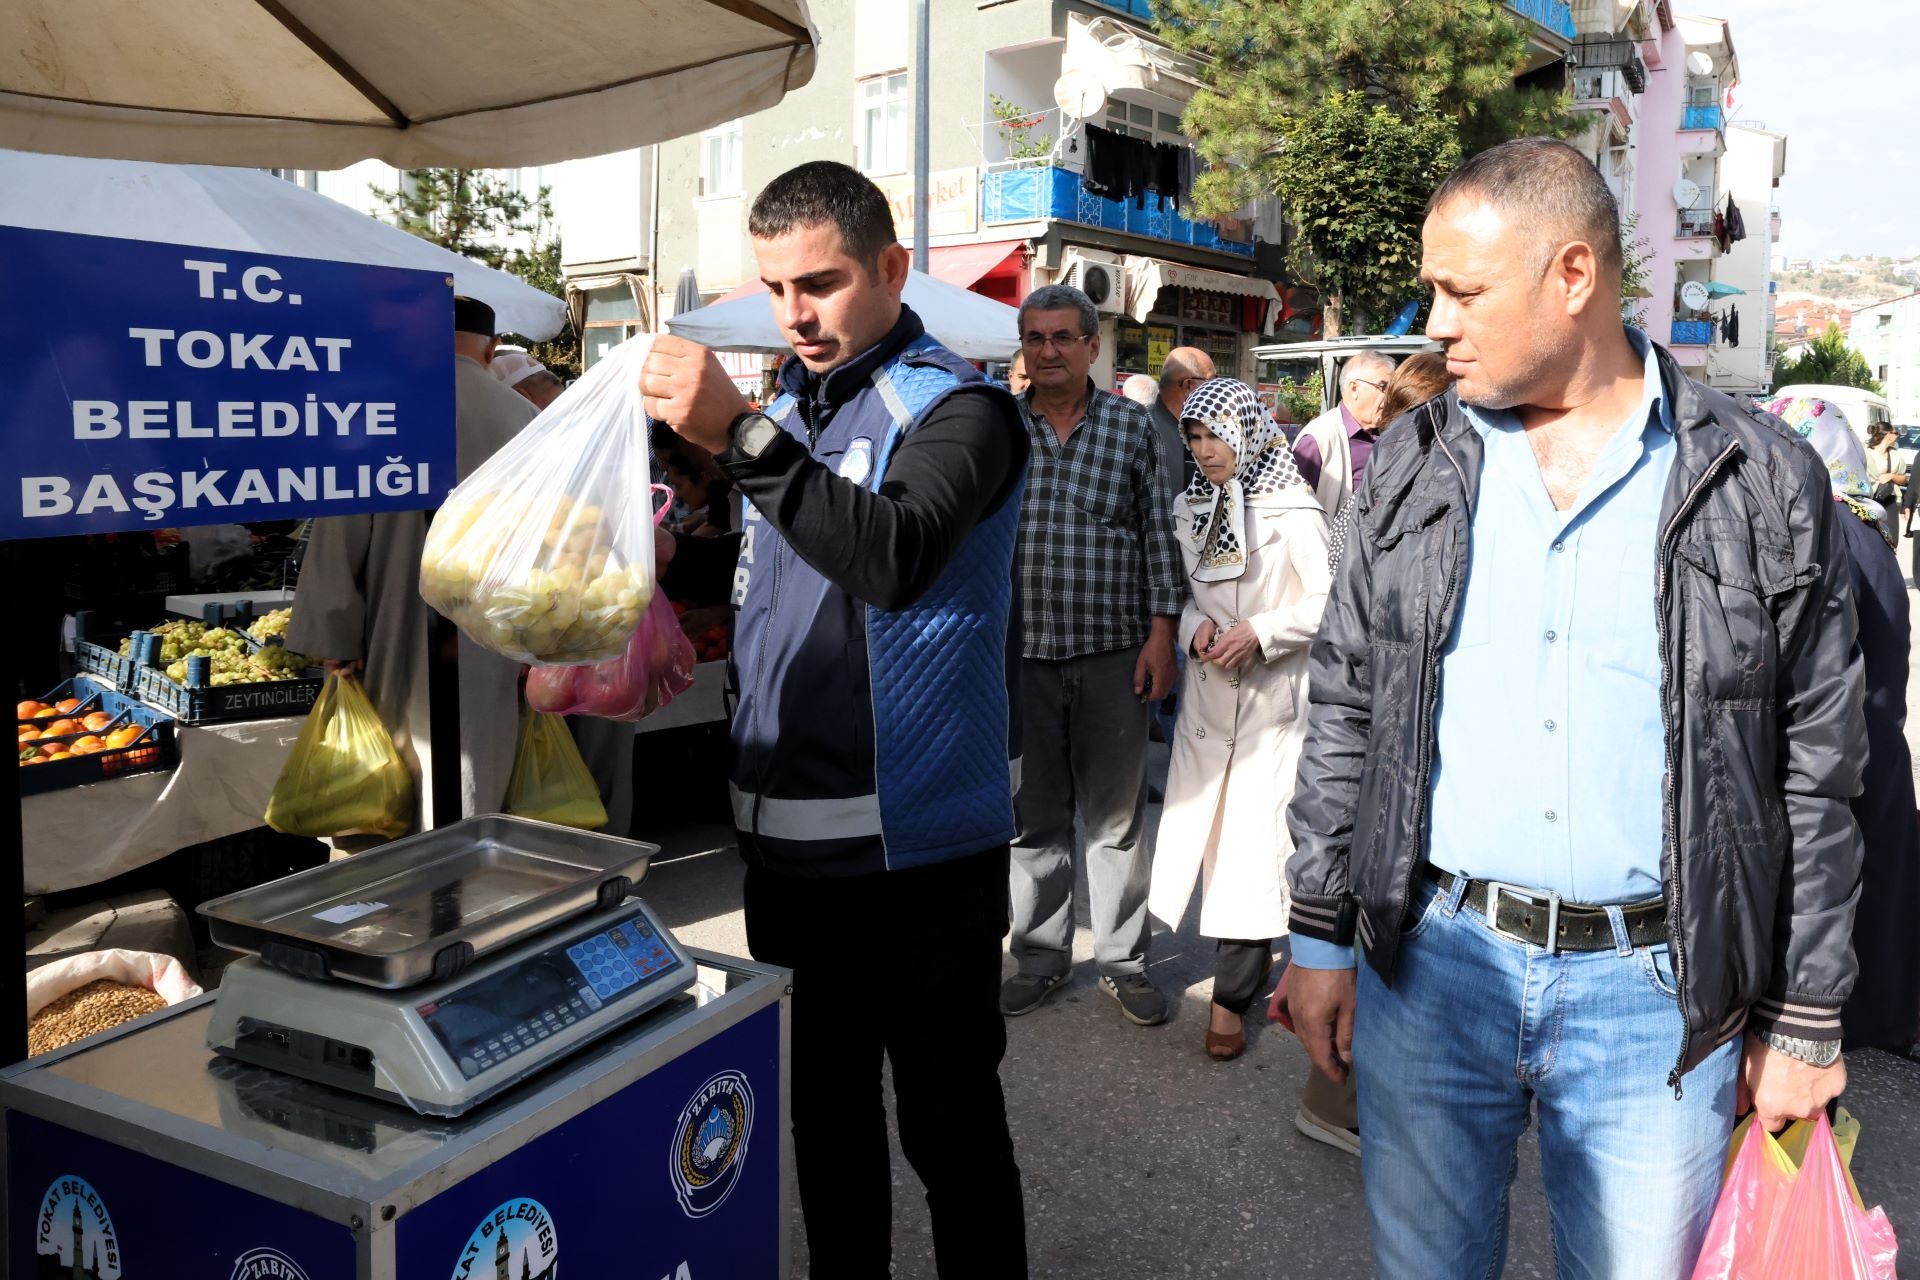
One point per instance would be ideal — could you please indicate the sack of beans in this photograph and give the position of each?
(96, 991)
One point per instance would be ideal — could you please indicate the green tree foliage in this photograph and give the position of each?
(1830, 361)
(471, 211)
(1292, 88)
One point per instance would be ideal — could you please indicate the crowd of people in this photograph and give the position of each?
(1540, 705)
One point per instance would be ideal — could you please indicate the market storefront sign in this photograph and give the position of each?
(953, 197)
(152, 385)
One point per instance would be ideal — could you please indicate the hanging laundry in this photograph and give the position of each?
(1105, 173)
(1732, 329)
(1736, 225)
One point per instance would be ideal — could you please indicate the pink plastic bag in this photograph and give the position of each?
(1775, 1222)
(657, 666)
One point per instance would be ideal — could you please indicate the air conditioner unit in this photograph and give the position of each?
(1098, 275)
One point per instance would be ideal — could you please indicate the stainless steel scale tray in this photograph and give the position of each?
(425, 907)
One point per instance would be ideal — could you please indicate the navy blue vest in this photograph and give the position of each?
(868, 739)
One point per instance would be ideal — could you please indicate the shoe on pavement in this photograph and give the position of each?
(1139, 1001)
(1025, 992)
(1347, 1140)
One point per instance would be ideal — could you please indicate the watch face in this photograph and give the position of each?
(755, 432)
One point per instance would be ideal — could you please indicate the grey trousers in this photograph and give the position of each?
(1084, 758)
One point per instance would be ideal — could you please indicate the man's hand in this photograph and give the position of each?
(1781, 1089)
(685, 387)
(1237, 649)
(1321, 1001)
(350, 667)
(1154, 674)
(1203, 638)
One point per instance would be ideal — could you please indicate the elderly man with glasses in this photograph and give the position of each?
(1332, 450)
(1100, 593)
(1184, 369)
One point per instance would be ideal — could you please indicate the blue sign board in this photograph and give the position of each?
(676, 1177)
(155, 386)
(77, 1206)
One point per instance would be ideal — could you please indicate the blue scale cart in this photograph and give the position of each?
(471, 1053)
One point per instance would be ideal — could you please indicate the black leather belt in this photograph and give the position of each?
(1543, 920)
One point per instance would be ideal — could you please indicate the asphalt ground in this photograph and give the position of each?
(1142, 1158)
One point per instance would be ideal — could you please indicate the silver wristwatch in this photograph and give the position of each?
(1819, 1053)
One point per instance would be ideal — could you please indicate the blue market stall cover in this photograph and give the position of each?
(154, 385)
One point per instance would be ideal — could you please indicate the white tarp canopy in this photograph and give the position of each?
(971, 325)
(321, 84)
(246, 210)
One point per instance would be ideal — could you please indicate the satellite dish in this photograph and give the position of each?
(1699, 63)
(1079, 94)
(1685, 193)
(1694, 294)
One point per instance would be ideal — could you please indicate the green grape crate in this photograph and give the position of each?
(210, 704)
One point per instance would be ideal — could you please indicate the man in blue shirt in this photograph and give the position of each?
(1585, 720)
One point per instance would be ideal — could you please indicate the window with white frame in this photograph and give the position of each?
(882, 123)
(720, 149)
(1139, 121)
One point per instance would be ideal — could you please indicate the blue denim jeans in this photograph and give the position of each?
(1478, 1033)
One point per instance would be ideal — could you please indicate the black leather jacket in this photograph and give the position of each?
(1761, 697)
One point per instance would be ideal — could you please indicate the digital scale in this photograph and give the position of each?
(439, 970)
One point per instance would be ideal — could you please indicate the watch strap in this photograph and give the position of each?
(1819, 1053)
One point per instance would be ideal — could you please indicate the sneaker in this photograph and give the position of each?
(1025, 992)
(1347, 1140)
(1141, 1004)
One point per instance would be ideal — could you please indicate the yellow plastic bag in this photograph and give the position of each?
(345, 776)
(550, 781)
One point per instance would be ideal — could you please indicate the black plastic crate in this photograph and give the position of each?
(155, 749)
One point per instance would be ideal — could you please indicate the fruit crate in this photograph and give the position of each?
(195, 703)
(95, 658)
(153, 749)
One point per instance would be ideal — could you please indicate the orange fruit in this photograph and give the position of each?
(44, 713)
(28, 731)
(66, 726)
(124, 736)
(67, 706)
(87, 746)
(28, 710)
(97, 721)
(49, 748)
(35, 760)
(60, 755)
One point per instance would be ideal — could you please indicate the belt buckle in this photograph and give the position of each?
(1533, 897)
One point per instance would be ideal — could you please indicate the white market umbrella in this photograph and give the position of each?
(321, 84)
(245, 210)
(973, 326)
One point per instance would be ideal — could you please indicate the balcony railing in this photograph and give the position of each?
(1555, 15)
(1700, 118)
(1693, 223)
(1140, 9)
(1622, 55)
(1045, 193)
(1691, 333)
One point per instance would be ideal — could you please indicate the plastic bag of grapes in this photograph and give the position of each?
(545, 553)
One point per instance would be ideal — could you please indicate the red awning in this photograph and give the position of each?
(963, 265)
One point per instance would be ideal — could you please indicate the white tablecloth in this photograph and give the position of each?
(83, 835)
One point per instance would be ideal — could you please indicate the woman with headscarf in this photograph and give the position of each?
(1885, 1005)
(1254, 540)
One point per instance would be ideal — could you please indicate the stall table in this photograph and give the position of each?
(84, 835)
(140, 1152)
(703, 703)
(195, 606)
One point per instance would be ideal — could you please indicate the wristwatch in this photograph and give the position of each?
(1819, 1053)
(751, 433)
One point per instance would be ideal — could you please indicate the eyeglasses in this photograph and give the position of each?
(1059, 341)
(1381, 387)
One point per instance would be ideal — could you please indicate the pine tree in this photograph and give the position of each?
(1830, 362)
(471, 211)
(1351, 111)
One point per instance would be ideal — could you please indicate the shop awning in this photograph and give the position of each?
(968, 264)
(1146, 277)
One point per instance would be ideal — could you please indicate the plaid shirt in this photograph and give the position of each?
(1096, 558)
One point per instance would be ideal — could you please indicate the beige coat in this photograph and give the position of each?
(1236, 745)
(359, 598)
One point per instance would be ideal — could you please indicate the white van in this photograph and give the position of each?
(1313, 369)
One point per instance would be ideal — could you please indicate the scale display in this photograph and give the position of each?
(505, 1014)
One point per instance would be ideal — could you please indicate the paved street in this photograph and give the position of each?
(1143, 1159)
